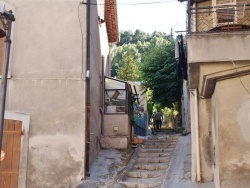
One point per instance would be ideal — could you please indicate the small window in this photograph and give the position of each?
(226, 15)
(115, 96)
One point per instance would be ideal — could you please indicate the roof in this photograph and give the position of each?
(111, 20)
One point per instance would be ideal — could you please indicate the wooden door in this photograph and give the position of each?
(9, 166)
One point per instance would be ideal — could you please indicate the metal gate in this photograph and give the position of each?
(9, 166)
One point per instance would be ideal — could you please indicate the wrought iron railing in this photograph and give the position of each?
(220, 18)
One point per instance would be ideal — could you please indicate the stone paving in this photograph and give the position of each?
(149, 164)
(161, 161)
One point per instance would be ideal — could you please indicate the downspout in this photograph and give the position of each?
(87, 132)
(198, 168)
(189, 15)
(103, 98)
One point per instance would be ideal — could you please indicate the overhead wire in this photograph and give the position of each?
(80, 24)
(126, 4)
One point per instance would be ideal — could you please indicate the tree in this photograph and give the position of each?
(158, 73)
(120, 53)
(125, 37)
(130, 70)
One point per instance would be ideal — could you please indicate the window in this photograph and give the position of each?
(115, 96)
(225, 12)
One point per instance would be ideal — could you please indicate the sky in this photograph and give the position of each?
(157, 15)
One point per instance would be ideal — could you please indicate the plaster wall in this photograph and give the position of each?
(215, 138)
(232, 123)
(114, 127)
(193, 136)
(209, 68)
(186, 107)
(205, 139)
(214, 47)
(95, 82)
(47, 82)
(117, 131)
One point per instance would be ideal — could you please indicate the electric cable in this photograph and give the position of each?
(240, 78)
(81, 39)
(126, 4)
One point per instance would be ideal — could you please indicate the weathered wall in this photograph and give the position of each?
(116, 125)
(186, 107)
(116, 131)
(48, 82)
(214, 47)
(232, 107)
(95, 83)
(205, 140)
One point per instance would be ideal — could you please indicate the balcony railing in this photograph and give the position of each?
(220, 18)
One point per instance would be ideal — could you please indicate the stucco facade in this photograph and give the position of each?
(219, 106)
(47, 81)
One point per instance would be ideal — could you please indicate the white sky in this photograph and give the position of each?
(151, 17)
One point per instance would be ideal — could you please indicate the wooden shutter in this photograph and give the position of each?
(9, 166)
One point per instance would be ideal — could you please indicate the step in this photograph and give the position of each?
(144, 174)
(152, 166)
(159, 142)
(153, 154)
(141, 185)
(155, 150)
(142, 180)
(158, 146)
(153, 160)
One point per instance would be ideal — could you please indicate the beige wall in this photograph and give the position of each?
(202, 155)
(224, 115)
(205, 139)
(232, 122)
(95, 84)
(117, 130)
(48, 65)
(214, 47)
(116, 122)
(231, 47)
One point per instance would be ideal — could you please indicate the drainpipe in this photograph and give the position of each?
(189, 15)
(103, 98)
(198, 168)
(6, 18)
(87, 132)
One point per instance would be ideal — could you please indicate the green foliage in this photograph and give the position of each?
(169, 114)
(158, 72)
(150, 59)
(130, 69)
(120, 53)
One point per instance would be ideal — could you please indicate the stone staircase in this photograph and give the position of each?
(149, 163)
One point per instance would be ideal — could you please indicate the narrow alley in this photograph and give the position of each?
(162, 160)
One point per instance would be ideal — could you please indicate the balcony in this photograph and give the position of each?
(227, 17)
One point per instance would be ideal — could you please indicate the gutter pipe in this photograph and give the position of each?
(198, 168)
(9, 18)
(87, 131)
(103, 98)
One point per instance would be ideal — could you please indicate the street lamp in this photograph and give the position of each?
(6, 19)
